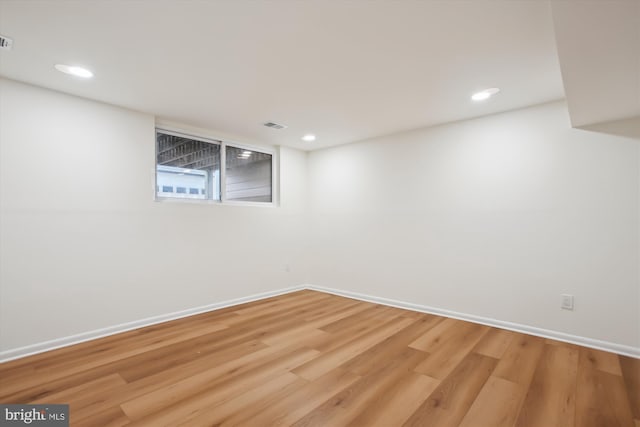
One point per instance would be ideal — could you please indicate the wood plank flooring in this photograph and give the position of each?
(314, 359)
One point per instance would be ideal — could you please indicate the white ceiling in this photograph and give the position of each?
(344, 70)
(599, 49)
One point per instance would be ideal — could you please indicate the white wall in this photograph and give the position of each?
(84, 246)
(493, 217)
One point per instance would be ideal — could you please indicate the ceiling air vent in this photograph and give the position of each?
(273, 125)
(5, 42)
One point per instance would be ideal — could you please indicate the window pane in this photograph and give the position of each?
(248, 175)
(184, 163)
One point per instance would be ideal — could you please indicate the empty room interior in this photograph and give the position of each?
(320, 213)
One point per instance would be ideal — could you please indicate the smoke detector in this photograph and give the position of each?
(5, 42)
(273, 125)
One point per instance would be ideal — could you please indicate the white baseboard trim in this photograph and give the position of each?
(29, 350)
(41, 347)
(516, 327)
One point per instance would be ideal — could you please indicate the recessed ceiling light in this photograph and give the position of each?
(485, 94)
(309, 138)
(74, 71)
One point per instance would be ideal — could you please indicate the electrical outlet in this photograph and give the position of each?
(567, 302)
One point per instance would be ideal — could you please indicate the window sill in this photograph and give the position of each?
(186, 200)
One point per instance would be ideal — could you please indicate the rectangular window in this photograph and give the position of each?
(184, 162)
(248, 176)
(207, 169)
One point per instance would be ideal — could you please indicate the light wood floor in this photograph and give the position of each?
(310, 358)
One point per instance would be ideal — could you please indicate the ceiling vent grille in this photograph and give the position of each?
(273, 125)
(5, 43)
